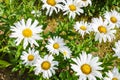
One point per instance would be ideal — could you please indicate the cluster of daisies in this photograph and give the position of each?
(103, 27)
(86, 66)
(28, 32)
(104, 30)
(68, 7)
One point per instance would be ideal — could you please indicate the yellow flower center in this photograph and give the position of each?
(102, 29)
(65, 53)
(113, 19)
(86, 69)
(51, 2)
(56, 46)
(27, 32)
(83, 28)
(30, 57)
(72, 7)
(114, 78)
(84, 0)
(45, 65)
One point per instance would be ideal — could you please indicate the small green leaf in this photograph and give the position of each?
(4, 64)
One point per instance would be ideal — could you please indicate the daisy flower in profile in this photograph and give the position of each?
(52, 5)
(103, 31)
(87, 67)
(46, 66)
(28, 32)
(84, 3)
(82, 27)
(113, 75)
(113, 18)
(72, 8)
(66, 52)
(30, 57)
(55, 45)
(117, 49)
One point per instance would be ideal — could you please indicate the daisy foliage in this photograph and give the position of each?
(27, 32)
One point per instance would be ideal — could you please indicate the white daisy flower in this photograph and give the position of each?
(36, 13)
(46, 66)
(87, 67)
(66, 52)
(72, 8)
(55, 45)
(113, 75)
(28, 32)
(84, 3)
(82, 27)
(52, 5)
(30, 57)
(103, 31)
(117, 49)
(113, 18)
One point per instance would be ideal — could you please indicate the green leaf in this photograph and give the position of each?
(4, 64)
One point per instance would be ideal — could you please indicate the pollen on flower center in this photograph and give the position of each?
(27, 32)
(113, 19)
(86, 69)
(114, 78)
(45, 65)
(65, 53)
(56, 46)
(51, 2)
(83, 28)
(102, 29)
(84, 0)
(30, 57)
(72, 7)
